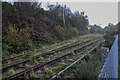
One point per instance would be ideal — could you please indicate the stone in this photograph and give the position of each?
(69, 59)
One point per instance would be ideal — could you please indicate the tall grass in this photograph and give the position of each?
(90, 70)
(86, 70)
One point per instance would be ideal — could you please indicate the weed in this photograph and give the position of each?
(48, 71)
(41, 58)
(10, 72)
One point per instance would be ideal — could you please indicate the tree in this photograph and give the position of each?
(96, 29)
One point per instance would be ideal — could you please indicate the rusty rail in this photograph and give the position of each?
(47, 53)
(37, 67)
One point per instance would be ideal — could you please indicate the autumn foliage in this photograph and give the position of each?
(26, 25)
(60, 32)
(74, 31)
(17, 39)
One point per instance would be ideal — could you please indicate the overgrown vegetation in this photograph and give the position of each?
(26, 25)
(86, 70)
(91, 69)
(110, 34)
(17, 39)
(60, 32)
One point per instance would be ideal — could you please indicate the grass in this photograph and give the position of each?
(49, 72)
(10, 72)
(33, 75)
(43, 51)
(109, 42)
(85, 70)
(59, 67)
(48, 45)
(35, 62)
(71, 75)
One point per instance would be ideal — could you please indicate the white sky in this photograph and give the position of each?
(100, 12)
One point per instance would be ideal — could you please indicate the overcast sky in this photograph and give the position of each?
(100, 13)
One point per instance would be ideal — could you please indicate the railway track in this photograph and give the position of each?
(12, 58)
(44, 54)
(55, 68)
(21, 55)
(37, 67)
(63, 71)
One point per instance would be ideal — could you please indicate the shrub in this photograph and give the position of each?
(73, 32)
(89, 70)
(60, 32)
(11, 72)
(17, 39)
(109, 39)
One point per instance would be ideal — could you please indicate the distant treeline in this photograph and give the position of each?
(110, 34)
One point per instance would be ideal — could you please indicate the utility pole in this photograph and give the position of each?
(64, 22)
(64, 19)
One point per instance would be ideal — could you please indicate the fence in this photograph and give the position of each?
(110, 67)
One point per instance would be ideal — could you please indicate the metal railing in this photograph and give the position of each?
(57, 76)
(110, 67)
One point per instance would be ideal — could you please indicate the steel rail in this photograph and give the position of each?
(20, 55)
(12, 58)
(58, 74)
(44, 54)
(36, 67)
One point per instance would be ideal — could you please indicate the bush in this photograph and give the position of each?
(73, 32)
(60, 32)
(47, 37)
(91, 69)
(109, 39)
(17, 39)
